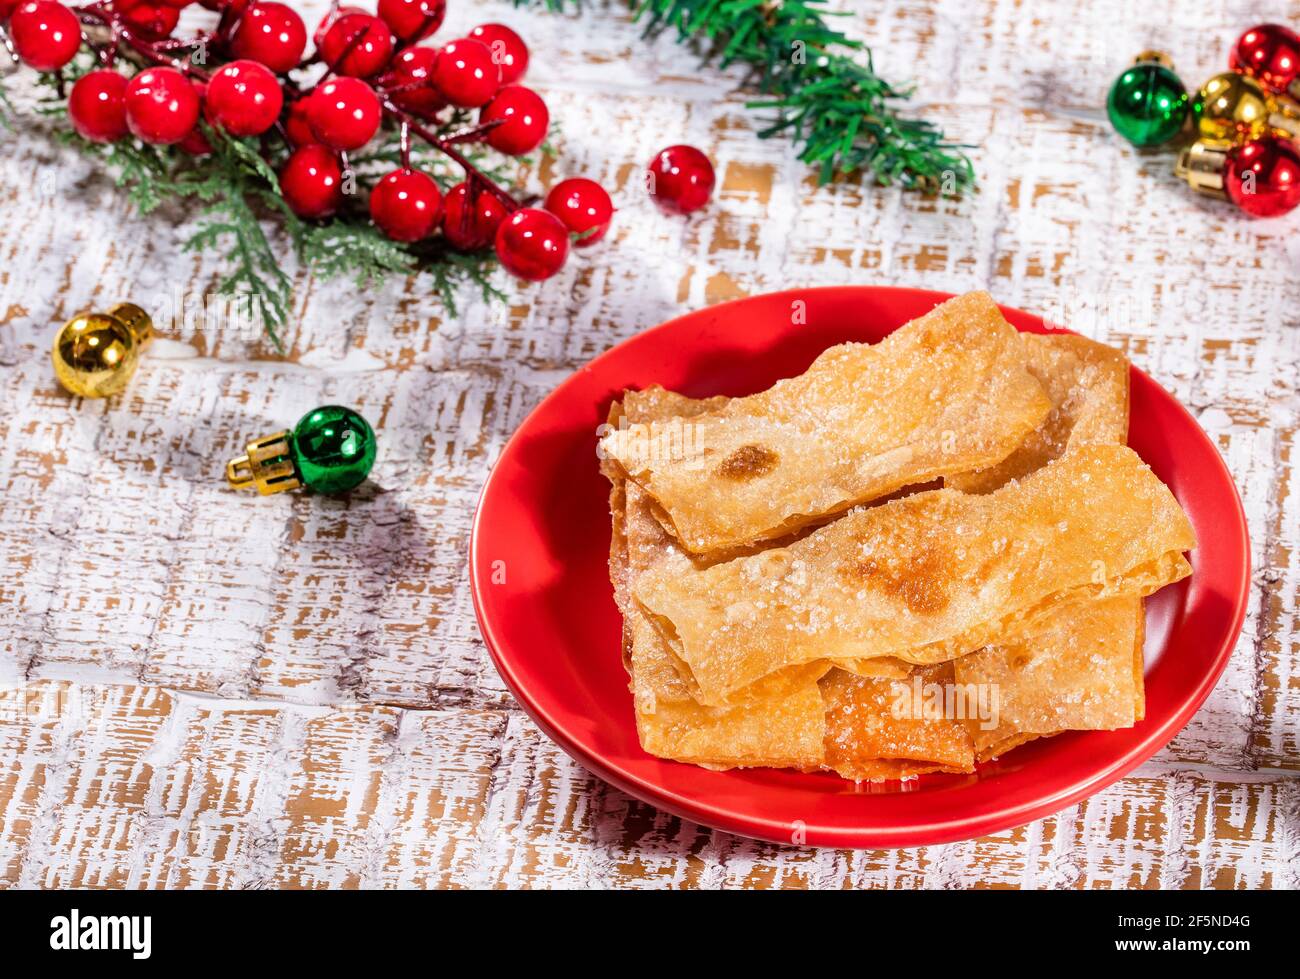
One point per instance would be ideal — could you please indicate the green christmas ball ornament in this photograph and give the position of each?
(1148, 104)
(331, 450)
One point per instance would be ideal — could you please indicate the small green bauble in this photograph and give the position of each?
(333, 449)
(1147, 104)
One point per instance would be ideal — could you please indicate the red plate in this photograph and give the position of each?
(541, 590)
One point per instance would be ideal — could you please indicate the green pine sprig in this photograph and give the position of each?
(819, 85)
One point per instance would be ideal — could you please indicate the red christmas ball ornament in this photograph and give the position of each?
(413, 20)
(465, 73)
(311, 181)
(329, 20)
(1270, 53)
(271, 33)
(153, 19)
(523, 120)
(1263, 177)
(297, 122)
(45, 34)
(469, 224)
(357, 44)
(410, 82)
(97, 106)
(508, 50)
(7, 7)
(161, 106)
(532, 244)
(406, 204)
(583, 207)
(680, 179)
(243, 98)
(344, 113)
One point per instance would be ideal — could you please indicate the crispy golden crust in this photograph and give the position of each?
(947, 393)
(926, 578)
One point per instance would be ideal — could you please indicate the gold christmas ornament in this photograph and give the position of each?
(95, 354)
(1234, 108)
(1202, 163)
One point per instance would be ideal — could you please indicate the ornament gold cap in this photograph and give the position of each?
(1202, 163)
(1154, 57)
(266, 464)
(137, 321)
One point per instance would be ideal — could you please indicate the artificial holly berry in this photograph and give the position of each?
(357, 44)
(45, 34)
(153, 19)
(1147, 104)
(161, 106)
(413, 20)
(583, 207)
(311, 181)
(1269, 53)
(680, 179)
(410, 81)
(195, 143)
(532, 244)
(297, 122)
(271, 33)
(508, 50)
(329, 20)
(1263, 177)
(7, 7)
(243, 98)
(470, 224)
(344, 113)
(406, 204)
(97, 106)
(330, 450)
(524, 119)
(178, 4)
(465, 73)
(235, 7)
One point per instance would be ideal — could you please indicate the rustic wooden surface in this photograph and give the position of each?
(205, 689)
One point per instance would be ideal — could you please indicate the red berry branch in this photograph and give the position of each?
(376, 150)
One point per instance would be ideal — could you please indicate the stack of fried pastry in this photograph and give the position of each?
(951, 509)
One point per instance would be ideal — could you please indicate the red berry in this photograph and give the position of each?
(508, 50)
(272, 34)
(465, 73)
(45, 34)
(357, 44)
(297, 124)
(406, 204)
(532, 244)
(312, 182)
(329, 20)
(243, 98)
(236, 7)
(583, 207)
(178, 4)
(413, 20)
(470, 226)
(7, 7)
(156, 20)
(680, 179)
(161, 105)
(410, 83)
(97, 107)
(195, 143)
(344, 113)
(524, 120)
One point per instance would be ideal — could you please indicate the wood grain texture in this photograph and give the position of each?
(202, 689)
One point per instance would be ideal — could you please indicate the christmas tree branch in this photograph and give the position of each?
(841, 113)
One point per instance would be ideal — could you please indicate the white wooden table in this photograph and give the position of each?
(208, 689)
